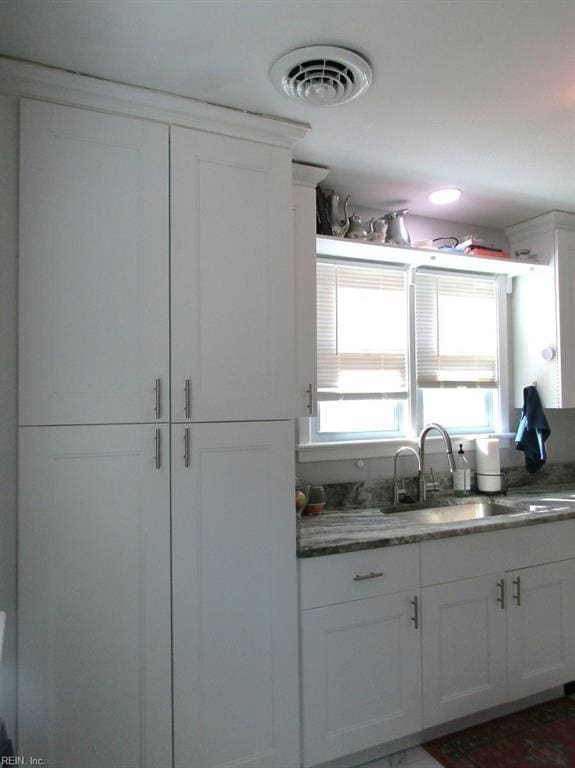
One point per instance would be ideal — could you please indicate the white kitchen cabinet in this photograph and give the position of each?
(505, 634)
(234, 596)
(540, 623)
(232, 279)
(94, 596)
(464, 663)
(361, 675)
(361, 650)
(94, 268)
(305, 180)
(544, 310)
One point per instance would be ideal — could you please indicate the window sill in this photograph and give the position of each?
(372, 449)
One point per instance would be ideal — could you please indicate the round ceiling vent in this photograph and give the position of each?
(321, 75)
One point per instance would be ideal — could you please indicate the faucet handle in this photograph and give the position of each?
(399, 492)
(433, 485)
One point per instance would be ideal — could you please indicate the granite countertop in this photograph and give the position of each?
(349, 530)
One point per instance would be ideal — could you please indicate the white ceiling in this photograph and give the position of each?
(479, 94)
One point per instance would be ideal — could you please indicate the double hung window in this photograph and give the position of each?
(397, 349)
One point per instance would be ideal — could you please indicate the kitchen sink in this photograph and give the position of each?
(473, 511)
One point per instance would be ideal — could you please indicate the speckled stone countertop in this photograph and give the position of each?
(348, 530)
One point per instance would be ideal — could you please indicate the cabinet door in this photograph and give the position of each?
(540, 627)
(234, 596)
(361, 675)
(305, 300)
(94, 267)
(232, 279)
(565, 268)
(94, 597)
(463, 648)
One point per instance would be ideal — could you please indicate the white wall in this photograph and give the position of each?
(560, 448)
(8, 432)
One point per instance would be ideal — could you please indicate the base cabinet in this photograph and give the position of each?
(361, 675)
(94, 597)
(463, 648)
(403, 638)
(234, 596)
(540, 623)
(496, 638)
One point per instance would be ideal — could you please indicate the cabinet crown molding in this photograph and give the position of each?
(543, 224)
(305, 175)
(36, 81)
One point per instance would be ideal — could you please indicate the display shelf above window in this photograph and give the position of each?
(344, 248)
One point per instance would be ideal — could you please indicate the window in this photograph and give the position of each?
(362, 342)
(391, 360)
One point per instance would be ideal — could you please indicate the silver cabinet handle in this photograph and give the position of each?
(188, 398)
(158, 406)
(158, 446)
(415, 617)
(186, 447)
(501, 597)
(517, 594)
(365, 576)
(310, 399)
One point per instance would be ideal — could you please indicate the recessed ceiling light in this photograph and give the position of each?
(444, 196)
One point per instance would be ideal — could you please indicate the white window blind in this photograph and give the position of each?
(456, 330)
(362, 331)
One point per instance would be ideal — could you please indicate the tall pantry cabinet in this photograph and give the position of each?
(157, 571)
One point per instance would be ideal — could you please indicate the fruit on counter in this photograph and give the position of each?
(300, 500)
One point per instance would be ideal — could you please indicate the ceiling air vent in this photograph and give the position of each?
(321, 75)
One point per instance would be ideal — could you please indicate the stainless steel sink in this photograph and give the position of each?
(473, 511)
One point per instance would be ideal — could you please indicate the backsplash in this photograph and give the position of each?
(378, 493)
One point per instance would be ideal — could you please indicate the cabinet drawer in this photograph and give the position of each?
(354, 575)
(464, 557)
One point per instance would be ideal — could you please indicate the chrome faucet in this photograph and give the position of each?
(423, 485)
(399, 493)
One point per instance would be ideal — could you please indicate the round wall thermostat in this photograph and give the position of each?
(548, 353)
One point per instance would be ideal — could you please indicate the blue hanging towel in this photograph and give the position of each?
(533, 431)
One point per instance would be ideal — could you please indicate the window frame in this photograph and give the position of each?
(367, 444)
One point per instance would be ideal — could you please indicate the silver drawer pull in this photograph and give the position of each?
(158, 405)
(158, 445)
(187, 447)
(415, 617)
(501, 589)
(310, 399)
(365, 576)
(517, 584)
(188, 399)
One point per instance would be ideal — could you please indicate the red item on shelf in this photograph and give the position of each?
(490, 253)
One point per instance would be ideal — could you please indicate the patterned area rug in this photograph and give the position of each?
(538, 737)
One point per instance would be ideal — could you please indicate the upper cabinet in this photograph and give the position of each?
(544, 311)
(232, 279)
(305, 180)
(94, 268)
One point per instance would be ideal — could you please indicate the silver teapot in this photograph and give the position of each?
(358, 228)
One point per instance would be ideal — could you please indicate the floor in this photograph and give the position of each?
(410, 758)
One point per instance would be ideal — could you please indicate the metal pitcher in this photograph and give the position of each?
(339, 226)
(397, 233)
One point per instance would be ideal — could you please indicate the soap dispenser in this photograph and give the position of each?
(462, 474)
